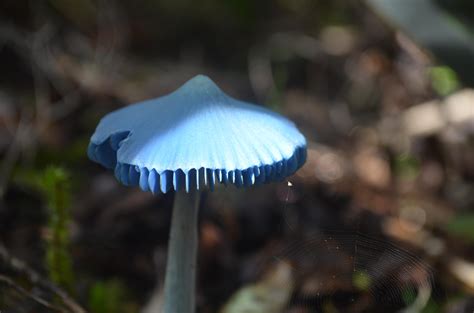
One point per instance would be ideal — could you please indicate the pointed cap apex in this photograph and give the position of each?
(200, 82)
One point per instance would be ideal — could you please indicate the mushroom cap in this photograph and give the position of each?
(196, 136)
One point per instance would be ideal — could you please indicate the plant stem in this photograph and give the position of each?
(180, 278)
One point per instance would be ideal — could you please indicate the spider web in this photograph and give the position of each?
(353, 270)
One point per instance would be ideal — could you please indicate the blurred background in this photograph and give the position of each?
(379, 219)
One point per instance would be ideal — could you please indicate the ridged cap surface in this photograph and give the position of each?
(197, 136)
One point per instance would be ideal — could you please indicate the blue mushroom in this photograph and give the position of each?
(190, 139)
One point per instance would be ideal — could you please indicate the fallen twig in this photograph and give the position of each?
(26, 293)
(35, 278)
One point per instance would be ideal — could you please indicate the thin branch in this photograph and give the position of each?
(26, 293)
(35, 278)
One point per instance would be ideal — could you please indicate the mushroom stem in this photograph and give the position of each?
(180, 278)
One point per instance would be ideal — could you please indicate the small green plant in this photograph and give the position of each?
(409, 296)
(361, 280)
(406, 167)
(462, 226)
(444, 80)
(109, 296)
(55, 184)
